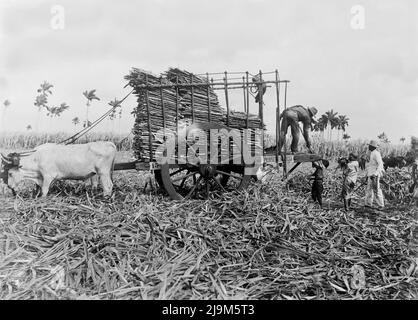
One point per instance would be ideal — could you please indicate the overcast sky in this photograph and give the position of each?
(370, 74)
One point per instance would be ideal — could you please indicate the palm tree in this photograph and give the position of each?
(41, 99)
(383, 138)
(54, 112)
(115, 104)
(57, 111)
(338, 127)
(90, 96)
(342, 123)
(45, 88)
(28, 127)
(403, 140)
(321, 125)
(75, 121)
(332, 121)
(346, 137)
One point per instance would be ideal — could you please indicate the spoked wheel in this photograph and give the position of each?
(201, 181)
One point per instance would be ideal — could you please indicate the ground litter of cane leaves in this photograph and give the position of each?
(267, 242)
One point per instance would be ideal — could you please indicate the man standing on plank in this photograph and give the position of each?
(291, 117)
(374, 171)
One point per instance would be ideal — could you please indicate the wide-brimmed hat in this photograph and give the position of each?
(312, 111)
(374, 143)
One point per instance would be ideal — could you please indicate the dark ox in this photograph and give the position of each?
(394, 162)
(50, 162)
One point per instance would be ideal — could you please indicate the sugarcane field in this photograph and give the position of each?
(189, 163)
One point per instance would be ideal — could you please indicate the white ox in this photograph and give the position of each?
(50, 162)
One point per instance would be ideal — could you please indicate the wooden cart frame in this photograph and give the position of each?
(186, 180)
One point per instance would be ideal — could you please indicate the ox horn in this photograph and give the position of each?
(5, 159)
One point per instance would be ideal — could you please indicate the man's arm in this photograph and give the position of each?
(306, 133)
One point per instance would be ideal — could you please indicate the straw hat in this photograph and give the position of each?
(374, 143)
(312, 111)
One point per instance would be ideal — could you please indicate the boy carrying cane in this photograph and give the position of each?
(318, 180)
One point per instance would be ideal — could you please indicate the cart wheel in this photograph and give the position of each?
(201, 181)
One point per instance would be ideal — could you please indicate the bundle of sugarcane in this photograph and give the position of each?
(152, 117)
(196, 105)
(238, 120)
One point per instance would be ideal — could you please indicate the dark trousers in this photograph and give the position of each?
(295, 129)
(317, 189)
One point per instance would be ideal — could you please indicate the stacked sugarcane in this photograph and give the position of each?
(238, 120)
(150, 129)
(194, 104)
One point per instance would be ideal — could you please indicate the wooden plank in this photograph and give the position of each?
(306, 157)
(200, 84)
(125, 166)
(299, 157)
(142, 166)
(272, 159)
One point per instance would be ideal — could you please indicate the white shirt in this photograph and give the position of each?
(375, 166)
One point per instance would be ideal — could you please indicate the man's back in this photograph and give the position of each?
(291, 118)
(375, 165)
(298, 113)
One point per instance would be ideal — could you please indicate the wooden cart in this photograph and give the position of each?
(183, 179)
